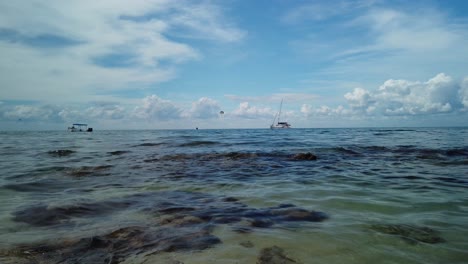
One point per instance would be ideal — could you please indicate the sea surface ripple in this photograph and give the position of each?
(362, 195)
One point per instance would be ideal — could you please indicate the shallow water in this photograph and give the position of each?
(57, 186)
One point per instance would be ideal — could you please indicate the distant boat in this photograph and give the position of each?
(80, 128)
(279, 124)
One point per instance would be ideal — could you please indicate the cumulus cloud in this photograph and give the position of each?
(106, 111)
(31, 112)
(204, 108)
(60, 113)
(155, 108)
(308, 111)
(358, 98)
(246, 111)
(439, 95)
(463, 93)
(401, 97)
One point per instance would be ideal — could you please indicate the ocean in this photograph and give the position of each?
(361, 195)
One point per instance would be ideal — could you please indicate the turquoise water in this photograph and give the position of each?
(376, 195)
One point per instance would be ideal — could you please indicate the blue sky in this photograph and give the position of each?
(160, 64)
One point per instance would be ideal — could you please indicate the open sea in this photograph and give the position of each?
(367, 195)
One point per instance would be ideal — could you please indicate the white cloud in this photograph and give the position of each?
(439, 95)
(463, 94)
(308, 111)
(204, 108)
(422, 32)
(358, 98)
(275, 98)
(106, 111)
(100, 45)
(252, 112)
(155, 108)
(31, 112)
(318, 11)
(400, 97)
(382, 39)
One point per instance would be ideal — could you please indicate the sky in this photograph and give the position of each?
(163, 64)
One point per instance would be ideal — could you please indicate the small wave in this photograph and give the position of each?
(198, 143)
(427, 153)
(452, 180)
(206, 156)
(37, 186)
(149, 144)
(457, 152)
(452, 163)
(118, 152)
(60, 152)
(345, 151)
(375, 149)
(382, 134)
(409, 177)
(393, 130)
(88, 170)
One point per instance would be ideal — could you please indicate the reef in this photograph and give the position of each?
(182, 221)
(410, 233)
(274, 255)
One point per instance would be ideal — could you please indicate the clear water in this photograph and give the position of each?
(361, 178)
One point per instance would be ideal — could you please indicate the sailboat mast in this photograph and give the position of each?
(279, 114)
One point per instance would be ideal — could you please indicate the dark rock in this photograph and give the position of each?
(41, 215)
(184, 221)
(304, 156)
(240, 155)
(227, 219)
(261, 223)
(299, 214)
(273, 255)
(230, 199)
(410, 233)
(116, 246)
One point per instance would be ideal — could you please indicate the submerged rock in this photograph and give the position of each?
(410, 233)
(176, 208)
(274, 255)
(240, 155)
(304, 156)
(182, 221)
(116, 246)
(42, 215)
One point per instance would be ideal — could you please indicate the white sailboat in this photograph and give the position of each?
(279, 124)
